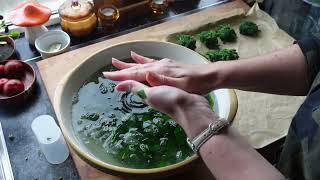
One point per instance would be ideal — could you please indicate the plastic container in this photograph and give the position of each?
(50, 138)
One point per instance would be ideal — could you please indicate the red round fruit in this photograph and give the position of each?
(13, 87)
(2, 70)
(14, 69)
(3, 81)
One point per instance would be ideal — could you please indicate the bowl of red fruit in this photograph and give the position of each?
(17, 79)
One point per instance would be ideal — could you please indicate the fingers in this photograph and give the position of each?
(155, 79)
(134, 73)
(140, 59)
(122, 65)
(134, 87)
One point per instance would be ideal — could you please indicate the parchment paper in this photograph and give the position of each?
(261, 118)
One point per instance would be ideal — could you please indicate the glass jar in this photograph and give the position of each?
(159, 6)
(78, 17)
(108, 15)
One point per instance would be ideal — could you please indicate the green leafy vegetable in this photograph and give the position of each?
(186, 41)
(14, 34)
(210, 100)
(249, 28)
(142, 94)
(11, 137)
(90, 116)
(150, 137)
(209, 39)
(2, 24)
(226, 33)
(221, 55)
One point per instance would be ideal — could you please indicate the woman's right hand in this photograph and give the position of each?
(198, 79)
(191, 111)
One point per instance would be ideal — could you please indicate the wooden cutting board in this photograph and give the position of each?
(55, 68)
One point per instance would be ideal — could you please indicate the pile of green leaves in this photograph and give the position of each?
(226, 33)
(186, 41)
(249, 28)
(149, 139)
(222, 55)
(209, 39)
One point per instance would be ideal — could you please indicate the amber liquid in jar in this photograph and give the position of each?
(159, 6)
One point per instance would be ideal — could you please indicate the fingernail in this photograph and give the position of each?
(142, 94)
(106, 74)
(121, 87)
(133, 53)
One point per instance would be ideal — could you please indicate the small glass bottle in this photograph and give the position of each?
(159, 6)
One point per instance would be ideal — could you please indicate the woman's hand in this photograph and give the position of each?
(191, 111)
(191, 78)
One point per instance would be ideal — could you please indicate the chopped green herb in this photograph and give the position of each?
(49, 138)
(222, 55)
(210, 100)
(226, 33)
(148, 137)
(14, 34)
(249, 28)
(142, 94)
(209, 39)
(90, 116)
(103, 89)
(11, 137)
(39, 153)
(26, 158)
(186, 41)
(60, 178)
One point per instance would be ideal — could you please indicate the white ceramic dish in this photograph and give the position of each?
(49, 38)
(225, 99)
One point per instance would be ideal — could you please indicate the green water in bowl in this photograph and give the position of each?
(118, 128)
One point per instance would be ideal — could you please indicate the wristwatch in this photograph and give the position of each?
(214, 128)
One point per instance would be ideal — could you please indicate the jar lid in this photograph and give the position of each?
(76, 9)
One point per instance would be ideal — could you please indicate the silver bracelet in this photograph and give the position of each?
(214, 128)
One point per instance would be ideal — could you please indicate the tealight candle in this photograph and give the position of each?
(159, 6)
(108, 11)
(108, 15)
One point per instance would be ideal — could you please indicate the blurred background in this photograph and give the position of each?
(7, 5)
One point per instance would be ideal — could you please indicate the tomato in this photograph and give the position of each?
(3, 81)
(2, 70)
(14, 69)
(13, 87)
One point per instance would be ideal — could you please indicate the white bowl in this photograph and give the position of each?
(44, 42)
(225, 99)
